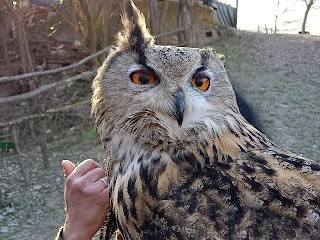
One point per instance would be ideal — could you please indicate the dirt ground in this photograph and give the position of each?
(279, 75)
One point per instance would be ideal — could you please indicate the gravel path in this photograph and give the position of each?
(280, 76)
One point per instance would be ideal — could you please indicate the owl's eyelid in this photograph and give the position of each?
(138, 67)
(202, 72)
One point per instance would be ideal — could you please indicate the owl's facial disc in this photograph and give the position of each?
(166, 93)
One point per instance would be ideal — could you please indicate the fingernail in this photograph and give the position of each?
(64, 171)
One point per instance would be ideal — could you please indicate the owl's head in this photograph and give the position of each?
(156, 93)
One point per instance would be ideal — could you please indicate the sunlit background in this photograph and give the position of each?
(262, 13)
(50, 54)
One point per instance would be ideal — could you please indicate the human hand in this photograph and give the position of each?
(86, 198)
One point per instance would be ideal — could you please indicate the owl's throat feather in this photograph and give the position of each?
(130, 154)
(135, 142)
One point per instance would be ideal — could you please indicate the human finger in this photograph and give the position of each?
(94, 175)
(104, 180)
(85, 166)
(68, 167)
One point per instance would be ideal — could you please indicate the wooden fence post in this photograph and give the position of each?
(17, 149)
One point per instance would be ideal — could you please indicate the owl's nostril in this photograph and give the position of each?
(179, 107)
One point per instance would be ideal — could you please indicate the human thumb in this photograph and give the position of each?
(68, 167)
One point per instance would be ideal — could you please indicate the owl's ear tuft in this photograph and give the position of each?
(135, 34)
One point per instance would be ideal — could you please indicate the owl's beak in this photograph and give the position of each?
(179, 107)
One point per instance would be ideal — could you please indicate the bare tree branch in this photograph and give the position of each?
(20, 120)
(45, 114)
(52, 71)
(46, 88)
(56, 9)
(68, 107)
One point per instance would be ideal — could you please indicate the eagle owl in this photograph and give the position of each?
(182, 161)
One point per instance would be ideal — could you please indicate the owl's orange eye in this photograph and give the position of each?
(202, 83)
(143, 77)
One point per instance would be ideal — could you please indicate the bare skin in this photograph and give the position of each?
(86, 198)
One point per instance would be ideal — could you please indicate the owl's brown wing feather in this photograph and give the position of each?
(265, 194)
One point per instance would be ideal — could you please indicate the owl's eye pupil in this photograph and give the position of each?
(143, 77)
(199, 81)
(202, 83)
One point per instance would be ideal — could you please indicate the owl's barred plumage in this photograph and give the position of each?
(182, 162)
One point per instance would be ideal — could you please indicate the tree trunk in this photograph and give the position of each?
(303, 30)
(163, 16)
(304, 23)
(4, 34)
(23, 41)
(154, 19)
(276, 19)
(6, 53)
(185, 22)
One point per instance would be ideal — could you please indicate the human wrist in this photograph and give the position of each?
(73, 233)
